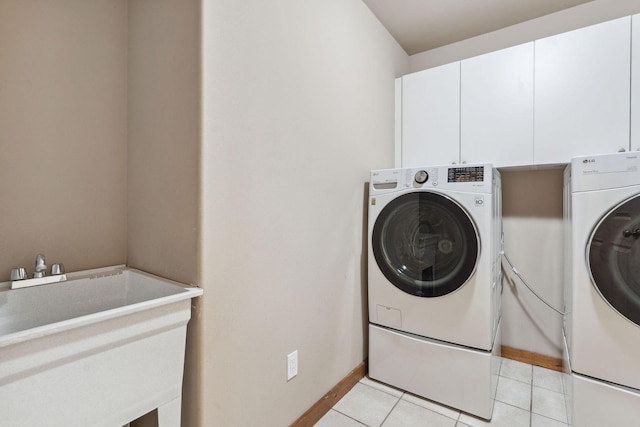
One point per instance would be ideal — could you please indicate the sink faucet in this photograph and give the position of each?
(19, 275)
(41, 267)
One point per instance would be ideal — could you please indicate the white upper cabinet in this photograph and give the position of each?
(496, 111)
(582, 86)
(430, 119)
(635, 84)
(544, 102)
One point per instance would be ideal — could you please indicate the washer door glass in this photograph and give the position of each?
(425, 244)
(614, 258)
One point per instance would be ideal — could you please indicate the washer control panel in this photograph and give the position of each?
(466, 174)
(473, 178)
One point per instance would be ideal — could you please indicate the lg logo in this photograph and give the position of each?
(585, 161)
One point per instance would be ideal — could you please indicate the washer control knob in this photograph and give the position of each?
(421, 177)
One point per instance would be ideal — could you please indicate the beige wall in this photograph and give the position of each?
(532, 222)
(100, 133)
(297, 108)
(163, 151)
(164, 137)
(63, 133)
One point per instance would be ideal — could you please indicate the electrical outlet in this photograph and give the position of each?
(292, 365)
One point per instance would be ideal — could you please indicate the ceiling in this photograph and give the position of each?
(420, 25)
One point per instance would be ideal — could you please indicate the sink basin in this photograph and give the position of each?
(101, 349)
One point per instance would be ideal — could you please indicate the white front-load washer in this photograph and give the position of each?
(434, 282)
(602, 290)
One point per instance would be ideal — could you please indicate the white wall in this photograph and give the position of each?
(297, 109)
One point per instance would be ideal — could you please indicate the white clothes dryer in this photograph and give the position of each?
(435, 282)
(602, 290)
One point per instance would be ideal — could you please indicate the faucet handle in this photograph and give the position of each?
(18, 274)
(57, 268)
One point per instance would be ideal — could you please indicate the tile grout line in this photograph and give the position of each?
(402, 393)
(531, 400)
(401, 397)
(372, 388)
(456, 419)
(564, 398)
(350, 417)
(394, 407)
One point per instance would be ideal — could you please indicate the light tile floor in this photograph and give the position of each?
(527, 396)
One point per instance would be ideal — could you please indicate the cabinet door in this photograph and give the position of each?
(431, 116)
(496, 111)
(582, 92)
(635, 84)
(397, 134)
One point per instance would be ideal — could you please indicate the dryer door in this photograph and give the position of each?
(425, 244)
(614, 258)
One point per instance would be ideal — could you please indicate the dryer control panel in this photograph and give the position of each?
(605, 171)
